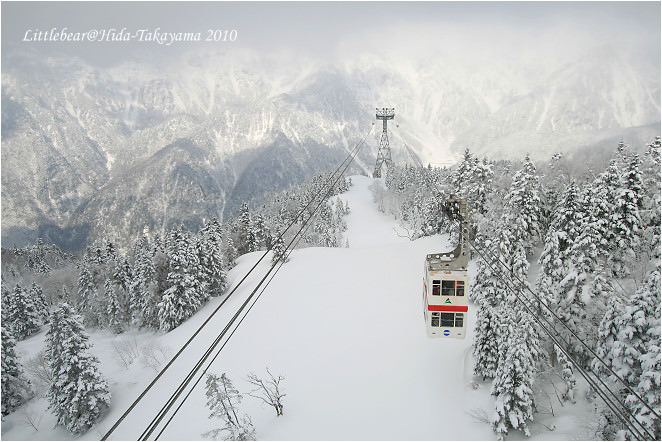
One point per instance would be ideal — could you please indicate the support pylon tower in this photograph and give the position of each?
(384, 152)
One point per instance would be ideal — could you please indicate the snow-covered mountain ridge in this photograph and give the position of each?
(84, 149)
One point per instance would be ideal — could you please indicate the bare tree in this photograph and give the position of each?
(39, 373)
(126, 351)
(31, 416)
(268, 391)
(154, 354)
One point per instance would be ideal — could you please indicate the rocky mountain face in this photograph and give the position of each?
(90, 154)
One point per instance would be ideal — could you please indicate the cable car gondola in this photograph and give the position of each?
(446, 283)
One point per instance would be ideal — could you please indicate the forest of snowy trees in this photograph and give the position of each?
(560, 248)
(587, 244)
(158, 282)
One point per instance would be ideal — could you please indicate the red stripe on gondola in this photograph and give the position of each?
(448, 308)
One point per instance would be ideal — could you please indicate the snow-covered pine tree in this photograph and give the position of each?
(66, 297)
(211, 257)
(637, 318)
(572, 309)
(487, 294)
(229, 250)
(196, 270)
(110, 253)
(182, 297)
(648, 385)
(607, 215)
(247, 240)
(485, 349)
(592, 246)
(512, 387)
(260, 232)
(279, 250)
(37, 295)
(24, 314)
(650, 214)
(114, 314)
(95, 255)
(481, 180)
(555, 264)
(15, 387)
(462, 173)
(79, 394)
(472, 180)
(517, 339)
(143, 287)
(36, 258)
(433, 220)
(524, 205)
(88, 296)
(553, 183)
(587, 277)
(607, 336)
(626, 220)
(223, 400)
(510, 247)
(567, 374)
(555, 258)
(123, 279)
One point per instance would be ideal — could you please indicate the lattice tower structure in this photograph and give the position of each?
(384, 152)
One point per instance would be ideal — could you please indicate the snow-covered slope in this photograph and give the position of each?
(344, 327)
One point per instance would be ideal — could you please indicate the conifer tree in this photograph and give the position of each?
(24, 314)
(633, 332)
(524, 205)
(567, 374)
(512, 387)
(247, 238)
(223, 400)
(88, 296)
(489, 294)
(590, 246)
(485, 351)
(562, 233)
(607, 336)
(15, 387)
(37, 295)
(260, 232)
(115, 319)
(606, 215)
(211, 257)
(144, 296)
(648, 383)
(229, 251)
(279, 251)
(123, 277)
(462, 173)
(37, 258)
(626, 220)
(650, 213)
(79, 394)
(182, 297)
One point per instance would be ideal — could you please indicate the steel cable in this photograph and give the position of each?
(347, 160)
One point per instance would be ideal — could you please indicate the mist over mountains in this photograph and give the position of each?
(91, 153)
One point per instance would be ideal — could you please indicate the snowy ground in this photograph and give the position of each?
(344, 327)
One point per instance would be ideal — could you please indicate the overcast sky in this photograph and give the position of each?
(319, 28)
